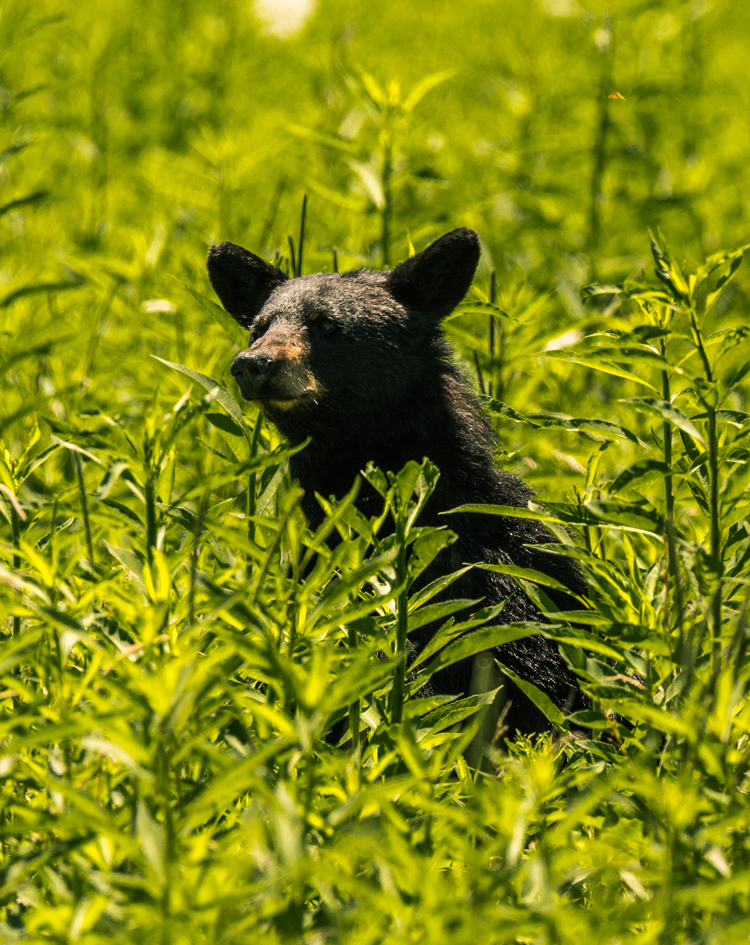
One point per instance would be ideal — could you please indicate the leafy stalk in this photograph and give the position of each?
(16, 534)
(84, 505)
(709, 402)
(386, 181)
(683, 291)
(494, 388)
(301, 244)
(355, 708)
(602, 130)
(402, 622)
(669, 497)
(252, 478)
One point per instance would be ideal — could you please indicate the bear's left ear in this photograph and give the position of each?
(242, 280)
(435, 280)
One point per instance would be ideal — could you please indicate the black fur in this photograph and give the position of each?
(381, 386)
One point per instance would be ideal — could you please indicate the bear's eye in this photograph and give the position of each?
(257, 331)
(326, 325)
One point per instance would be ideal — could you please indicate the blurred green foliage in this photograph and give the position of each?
(175, 641)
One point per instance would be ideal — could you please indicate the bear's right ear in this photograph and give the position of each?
(435, 280)
(242, 280)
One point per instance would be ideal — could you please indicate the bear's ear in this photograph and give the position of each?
(242, 280)
(435, 280)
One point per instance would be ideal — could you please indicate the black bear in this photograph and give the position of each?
(357, 362)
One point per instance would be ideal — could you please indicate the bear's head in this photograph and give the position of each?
(327, 347)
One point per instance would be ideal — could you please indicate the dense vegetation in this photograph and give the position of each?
(175, 641)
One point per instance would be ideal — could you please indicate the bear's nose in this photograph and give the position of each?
(251, 368)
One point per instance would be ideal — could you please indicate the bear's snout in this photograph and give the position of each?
(250, 370)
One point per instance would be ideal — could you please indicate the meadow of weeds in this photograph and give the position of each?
(176, 642)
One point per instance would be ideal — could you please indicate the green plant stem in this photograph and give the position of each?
(252, 479)
(270, 551)
(672, 563)
(273, 209)
(713, 459)
(356, 707)
(301, 244)
(84, 507)
(667, 434)
(150, 518)
(402, 624)
(493, 291)
(480, 376)
(296, 614)
(491, 385)
(16, 527)
(194, 553)
(600, 142)
(386, 178)
(97, 320)
(713, 471)
(698, 342)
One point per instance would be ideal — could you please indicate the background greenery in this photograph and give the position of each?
(176, 643)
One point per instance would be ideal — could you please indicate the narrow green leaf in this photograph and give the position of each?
(319, 137)
(37, 461)
(450, 631)
(634, 518)
(113, 472)
(27, 200)
(535, 695)
(123, 512)
(221, 317)
(372, 89)
(36, 290)
(130, 562)
(736, 377)
(476, 307)
(574, 424)
(590, 718)
(442, 718)
(526, 574)
(724, 280)
(583, 640)
(477, 642)
(667, 271)
(591, 361)
(425, 85)
(78, 449)
(433, 612)
(509, 511)
(359, 680)
(224, 398)
(352, 202)
(370, 181)
(665, 411)
(630, 517)
(435, 587)
(339, 589)
(225, 424)
(643, 469)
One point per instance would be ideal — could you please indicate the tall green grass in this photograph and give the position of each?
(176, 643)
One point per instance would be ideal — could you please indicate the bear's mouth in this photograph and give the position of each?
(288, 403)
(280, 397)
